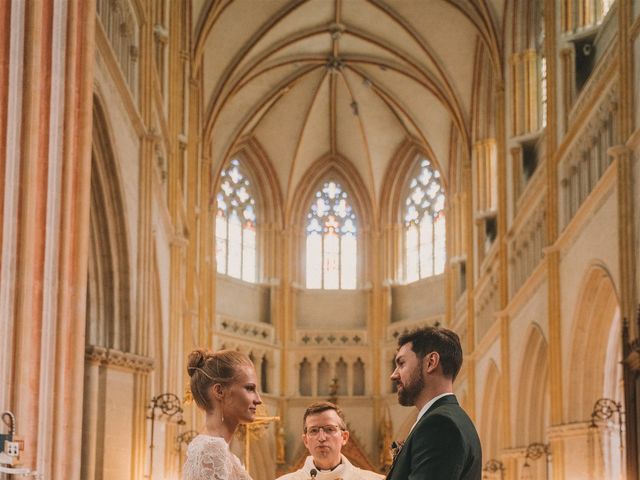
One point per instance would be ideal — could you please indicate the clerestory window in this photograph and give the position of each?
(235, 224)
(424, 221)
(542, 65)
(331, 244)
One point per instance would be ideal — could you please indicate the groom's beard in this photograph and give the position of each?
(409, 392)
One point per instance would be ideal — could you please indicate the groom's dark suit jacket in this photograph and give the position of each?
(444, 445)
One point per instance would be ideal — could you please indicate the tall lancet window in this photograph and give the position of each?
(332, 244)
(542, 65)
(424, 221)
(236, 224)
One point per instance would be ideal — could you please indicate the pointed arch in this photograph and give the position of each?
(305, 388)
(483, 97)
(335, 167)
(525, 19)
(109, 329)
(324, 377)
(108, 292)
(595, 350)
(340, 170)
(527, 74)
(264, 178)
(491, 418)
(532, 408)
(398, 174)
(396, 188)
(266, 192)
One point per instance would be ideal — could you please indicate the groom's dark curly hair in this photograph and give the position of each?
(436, 339)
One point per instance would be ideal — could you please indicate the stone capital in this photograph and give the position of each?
(116, 358)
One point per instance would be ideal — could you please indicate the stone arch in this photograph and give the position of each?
(265, 383)
(595, 350)
(483, 98)
(108, 291)
(398, 174)
(491, 418)
(109, 361)
(323, 368)
(341, 170)
(268, 196)
(392, 199)
(532, 405)
(359, 378)
(304, 378)
(342, 376)
(525, 16)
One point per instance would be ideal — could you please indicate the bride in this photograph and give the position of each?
(224, 385)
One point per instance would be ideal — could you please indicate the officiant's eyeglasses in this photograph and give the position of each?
(329, 430)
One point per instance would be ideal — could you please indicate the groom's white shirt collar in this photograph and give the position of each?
(427, 406)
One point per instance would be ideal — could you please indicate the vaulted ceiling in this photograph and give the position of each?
(309, 79)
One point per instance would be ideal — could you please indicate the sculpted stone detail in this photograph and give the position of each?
(254, 331)
(335, 338)
(116, 358)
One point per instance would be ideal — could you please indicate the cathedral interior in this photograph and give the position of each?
(304, 181)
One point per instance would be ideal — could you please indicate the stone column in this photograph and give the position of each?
(46, 159)
(140, 342)
(627, 263)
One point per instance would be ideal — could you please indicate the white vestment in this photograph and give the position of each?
(344, 471)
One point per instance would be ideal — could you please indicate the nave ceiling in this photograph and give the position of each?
(348, 79)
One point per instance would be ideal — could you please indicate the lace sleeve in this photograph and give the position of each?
(206, 460)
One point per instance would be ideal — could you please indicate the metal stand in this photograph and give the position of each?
(603, 410)
(493, 466)
(534, 452)
(169, 404)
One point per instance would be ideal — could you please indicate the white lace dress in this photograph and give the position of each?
(209, 458)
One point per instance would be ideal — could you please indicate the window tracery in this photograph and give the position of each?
(235, 224)
(331, 243)
(542, 66)
(424, 221)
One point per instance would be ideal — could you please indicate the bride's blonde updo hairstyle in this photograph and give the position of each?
(208, 368)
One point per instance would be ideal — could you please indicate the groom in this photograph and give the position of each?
(443, 443)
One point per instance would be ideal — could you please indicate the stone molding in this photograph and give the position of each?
(398, 328)
(336, 338)
(260, 332)
(573, 429)
(115, 358)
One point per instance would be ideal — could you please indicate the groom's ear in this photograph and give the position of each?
(431, 362)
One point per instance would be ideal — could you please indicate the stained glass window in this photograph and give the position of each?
(235, 224)
(543, 91)
(425, 232)
(332, 244)
(605, 6)
(542, 64)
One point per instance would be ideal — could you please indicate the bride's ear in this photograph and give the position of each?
(217, 391)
